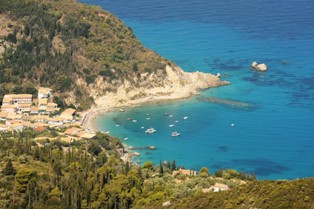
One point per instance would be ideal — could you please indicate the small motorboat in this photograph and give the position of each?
(175, 134)
(150, 131)
(186, 117)
(171, 125)
(126, 138)
(134, 121)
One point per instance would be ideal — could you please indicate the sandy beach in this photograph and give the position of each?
(177, 85)
(113, 105)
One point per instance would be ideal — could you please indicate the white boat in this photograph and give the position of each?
(171, 125)
(126, 138)
(186, 117)
(134, 121)
(142, 127)
(147, 118)
(175, 134)
(117, 125)
(150, 131)
(177, 121)
(170, 116)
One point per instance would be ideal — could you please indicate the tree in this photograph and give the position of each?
(173, 165)
(204, 172)
(24, 178)
(161, 169)
(9, 169)
(148, 165)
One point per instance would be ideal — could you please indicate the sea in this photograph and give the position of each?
(263, 123)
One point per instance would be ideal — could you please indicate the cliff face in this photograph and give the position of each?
(174, 83)
(85, 54)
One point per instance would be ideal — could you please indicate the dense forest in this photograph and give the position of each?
(67, 46)
(37, 172)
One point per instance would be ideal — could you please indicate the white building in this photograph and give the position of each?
(44, 93)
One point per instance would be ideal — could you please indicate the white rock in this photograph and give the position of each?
(260, 67)
(166, 203)
(254, 64)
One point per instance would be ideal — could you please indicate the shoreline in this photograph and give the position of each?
(89, 116)
(177, 85)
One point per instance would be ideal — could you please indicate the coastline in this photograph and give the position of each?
(177, 85)
(89, 115)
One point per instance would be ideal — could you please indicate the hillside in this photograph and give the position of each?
(83, 53)
(39, 170)
(295, 194)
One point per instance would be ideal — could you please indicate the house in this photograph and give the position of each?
(44, 93)
(55, 121)
(67, 114)
(17, 126)
(42, 105)
(14, 116)
(72, 131)
(185, 172)
(34, 110)
(3, 116)
(52, 107)
(220, 187)
(17, 99)
(24, 107)
(16, 102)
(8, 108)
(7, 99)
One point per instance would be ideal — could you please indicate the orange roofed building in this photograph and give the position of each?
(185, 172)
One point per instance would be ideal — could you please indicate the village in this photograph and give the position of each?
(20, 111)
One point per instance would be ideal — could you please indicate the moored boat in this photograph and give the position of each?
(175, 133)
(150, 131)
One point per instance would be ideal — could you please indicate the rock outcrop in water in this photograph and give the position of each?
(260, 67)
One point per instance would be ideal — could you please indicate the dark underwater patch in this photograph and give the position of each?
(230, 103)
(222, 149)
(262, 167)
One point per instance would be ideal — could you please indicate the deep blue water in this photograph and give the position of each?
(273, 136)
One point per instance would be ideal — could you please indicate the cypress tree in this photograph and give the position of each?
(9, 169)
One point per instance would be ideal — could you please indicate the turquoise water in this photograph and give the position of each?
(273, 136)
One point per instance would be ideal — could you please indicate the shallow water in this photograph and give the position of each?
(273, 136)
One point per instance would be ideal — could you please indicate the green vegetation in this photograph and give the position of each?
(56, 43)
(50, 173)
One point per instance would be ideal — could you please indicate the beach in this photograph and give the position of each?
(181, 85)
